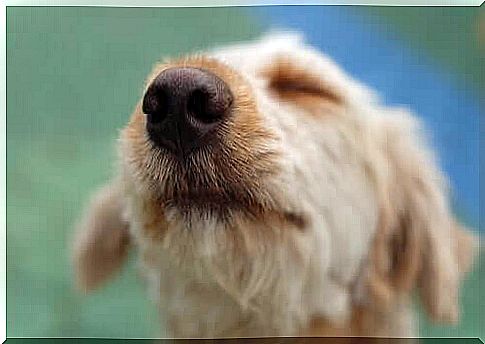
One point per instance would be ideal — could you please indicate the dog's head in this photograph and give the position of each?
(276, 130)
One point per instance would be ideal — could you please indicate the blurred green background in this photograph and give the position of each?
(73, 77)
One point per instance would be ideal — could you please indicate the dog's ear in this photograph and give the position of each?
(418, 242)
(101, 240)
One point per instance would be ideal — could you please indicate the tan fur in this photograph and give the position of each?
(364, 322)
(102, 239)
(286, 224)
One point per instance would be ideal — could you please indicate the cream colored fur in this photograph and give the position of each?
(342, 170)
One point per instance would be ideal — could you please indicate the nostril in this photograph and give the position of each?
(208, 107)
(155, 105)
(198, 107)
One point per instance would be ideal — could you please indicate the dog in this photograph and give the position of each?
(267, 193)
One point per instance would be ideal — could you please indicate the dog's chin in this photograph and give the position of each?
(217, 205)
(211, 182)
(203, 186)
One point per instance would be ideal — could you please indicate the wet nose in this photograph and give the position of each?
(184, 107)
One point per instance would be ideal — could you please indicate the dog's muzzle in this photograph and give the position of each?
(184, 107)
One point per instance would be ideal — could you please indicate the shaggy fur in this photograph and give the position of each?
(316, 211)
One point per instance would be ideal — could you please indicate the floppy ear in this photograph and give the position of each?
(102, 239)
(418, 242)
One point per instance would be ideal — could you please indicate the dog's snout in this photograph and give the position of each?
(184, 106)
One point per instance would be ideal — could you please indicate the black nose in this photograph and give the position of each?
(184, 107)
